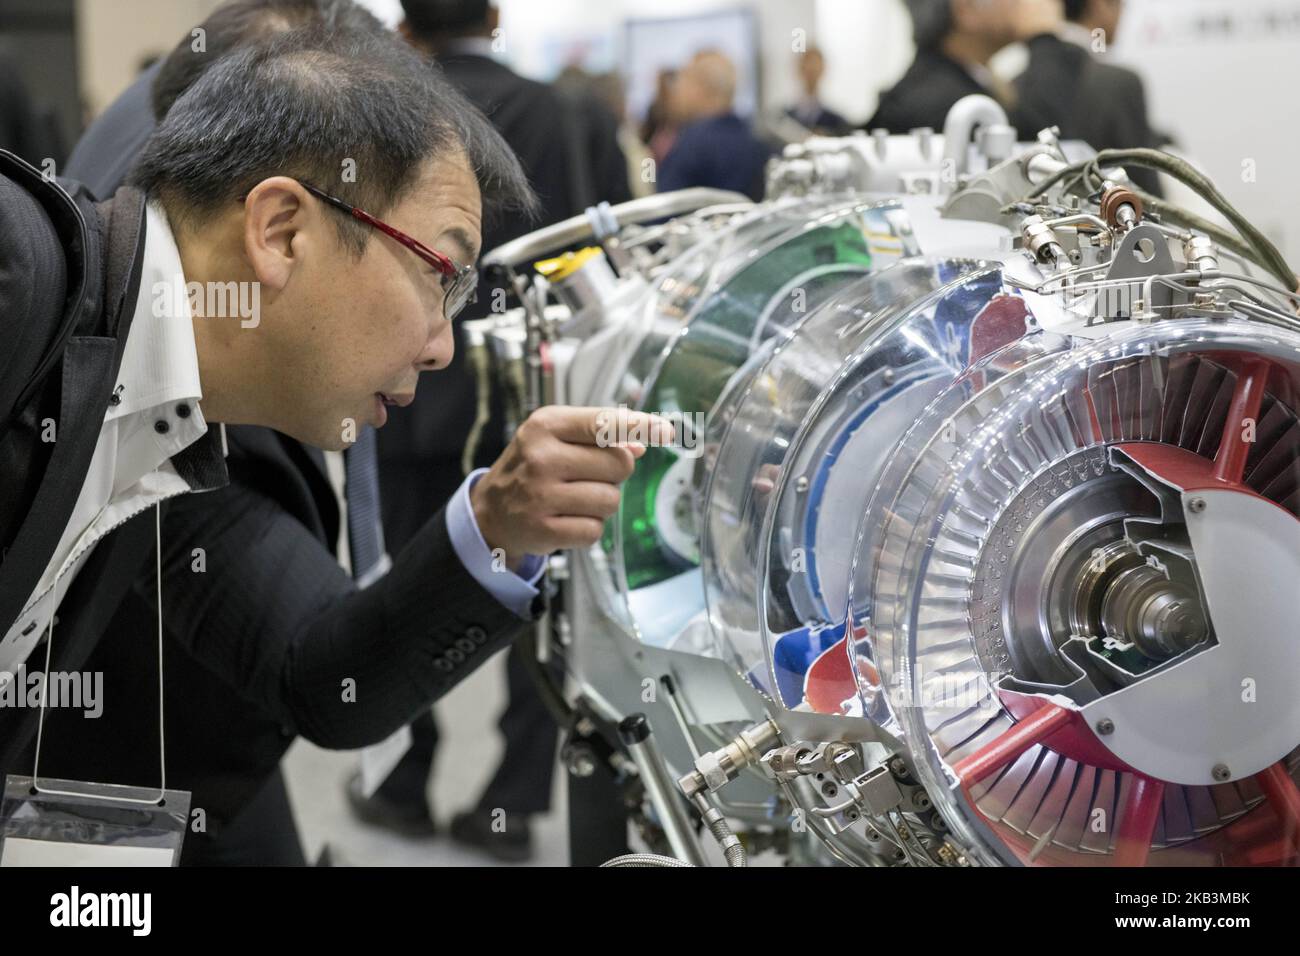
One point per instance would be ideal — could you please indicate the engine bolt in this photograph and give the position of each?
(1196, 505)
(1221, 773)
(1105, 726)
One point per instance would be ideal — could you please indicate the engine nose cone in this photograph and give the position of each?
(1161, 617)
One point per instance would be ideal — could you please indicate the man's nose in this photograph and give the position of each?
(438, 351)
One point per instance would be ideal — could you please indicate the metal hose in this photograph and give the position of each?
(732, 848)
(1260, 249)
(476, 353)
(646, 860)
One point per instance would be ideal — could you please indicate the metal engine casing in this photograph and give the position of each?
(962, 511)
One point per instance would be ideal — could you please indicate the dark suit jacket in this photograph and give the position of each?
(826, 123)
(260, 643)
(23, 129)
(263, 645)
(1110, 112)
(935, 82)
(109, 147)
(721, 152)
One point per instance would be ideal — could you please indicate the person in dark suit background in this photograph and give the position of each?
(420, 452)
(1110, 109)
(108, 148)
(600, 166)
(659, 128)
(714, 147)
(809, 111)
(956, 40)
(24, 129)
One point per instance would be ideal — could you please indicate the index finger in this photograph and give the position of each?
(611, 427)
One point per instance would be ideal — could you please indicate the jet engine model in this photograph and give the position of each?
(980, 540)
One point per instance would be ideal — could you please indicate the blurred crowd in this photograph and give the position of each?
(692, 135)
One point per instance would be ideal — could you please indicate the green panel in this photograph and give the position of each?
(803, 272)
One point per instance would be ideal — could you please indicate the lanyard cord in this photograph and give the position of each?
(45, 688)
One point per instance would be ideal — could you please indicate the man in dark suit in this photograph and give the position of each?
(1110, 108)
(292, 473)
(108, 148)
(420, 453)
(23, 130)
(956, 40)
(715, 147)
(265, 632)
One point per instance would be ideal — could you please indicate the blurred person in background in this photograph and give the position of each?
(599, 170)
(714, 147)
(420, 452)
(111, 144)
(955, 42)
(25, 129)
(610, 89)
(108, 148)
(1110, 109)
(659, 128)
(809, 111)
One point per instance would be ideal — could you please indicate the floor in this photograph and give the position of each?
(467, 756)
(468, 752)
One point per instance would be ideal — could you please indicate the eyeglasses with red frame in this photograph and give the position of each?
(459, 283)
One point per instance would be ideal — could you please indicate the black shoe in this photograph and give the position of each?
(408, 819)
(510, 840)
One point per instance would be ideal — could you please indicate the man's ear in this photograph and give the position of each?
(276, 215)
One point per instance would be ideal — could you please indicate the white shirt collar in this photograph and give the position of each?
(160, 363)
(155, 419)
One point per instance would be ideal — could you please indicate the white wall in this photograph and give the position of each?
(113, 36)
(868, 46)
(530, 30)
(1222, 76)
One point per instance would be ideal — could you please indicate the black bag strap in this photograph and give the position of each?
(72, 212)
(123, 259)
(89, 367)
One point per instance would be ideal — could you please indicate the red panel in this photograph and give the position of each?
(1283, 797)
(830, 681)
(1137, 820)
(1230, 462)
(995, 755)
